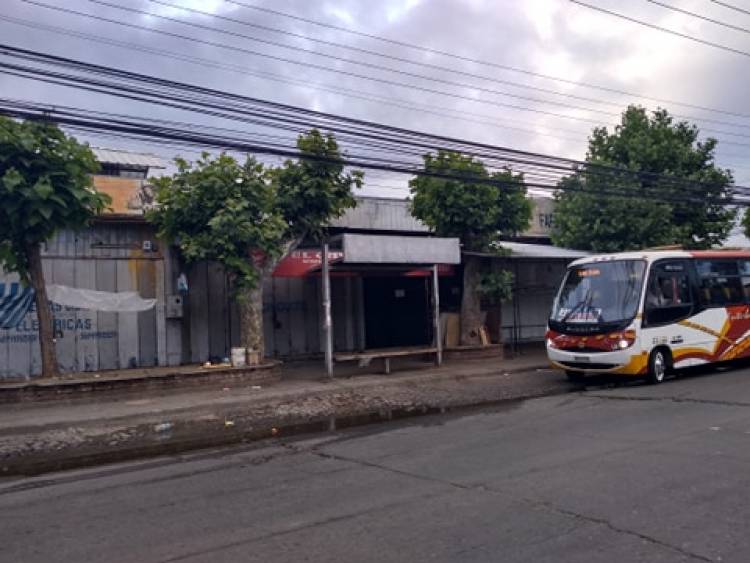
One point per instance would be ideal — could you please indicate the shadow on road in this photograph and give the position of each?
(610, 381)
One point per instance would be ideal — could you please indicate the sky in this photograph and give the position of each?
(475, 94)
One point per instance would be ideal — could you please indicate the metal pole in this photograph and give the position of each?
(436, 314)
(327, 321)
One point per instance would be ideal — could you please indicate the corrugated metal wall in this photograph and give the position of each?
(110, 257)
(536, 283)
(107, 257)
(291, 315)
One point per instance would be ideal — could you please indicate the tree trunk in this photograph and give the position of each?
(471, 312)
(250, 304)
(46, 329)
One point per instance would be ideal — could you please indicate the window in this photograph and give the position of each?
(720, 282)
(602, 292)
(668, 295)
(745, 278)
(110, 169)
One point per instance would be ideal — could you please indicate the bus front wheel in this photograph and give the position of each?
(658, 366)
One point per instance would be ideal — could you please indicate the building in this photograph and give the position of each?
(384, 302)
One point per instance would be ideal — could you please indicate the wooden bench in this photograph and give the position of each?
(386, 354)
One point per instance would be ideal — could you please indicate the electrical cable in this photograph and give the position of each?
(663, 29)
(473, 60)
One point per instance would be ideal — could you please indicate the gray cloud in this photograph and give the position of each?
(549, 36)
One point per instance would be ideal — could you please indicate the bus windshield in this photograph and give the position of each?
(601, 292)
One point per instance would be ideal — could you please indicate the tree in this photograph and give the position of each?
(477, 207)
(248, 217)
(669, 191)
(45, 186)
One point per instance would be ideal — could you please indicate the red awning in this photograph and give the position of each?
(301, 263)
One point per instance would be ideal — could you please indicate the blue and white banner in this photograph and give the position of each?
(14, 304)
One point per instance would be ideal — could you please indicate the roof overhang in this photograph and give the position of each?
(407, 250)
(519, 250)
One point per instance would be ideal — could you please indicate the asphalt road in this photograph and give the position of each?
(634, 473)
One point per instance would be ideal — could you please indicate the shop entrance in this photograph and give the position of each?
(397, 312)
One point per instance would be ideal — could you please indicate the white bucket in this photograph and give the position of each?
(238, 357)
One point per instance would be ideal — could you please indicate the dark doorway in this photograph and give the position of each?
(397, 312)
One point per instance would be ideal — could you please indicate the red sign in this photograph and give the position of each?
(443, 270)
(302, 262)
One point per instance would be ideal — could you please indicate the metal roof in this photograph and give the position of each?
(389, 249)
(380, 214)
(128, 158)
(526, 250)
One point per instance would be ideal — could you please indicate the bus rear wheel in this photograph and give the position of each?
(658, 366)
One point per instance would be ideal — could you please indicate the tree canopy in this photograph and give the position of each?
(669, 190)
(476, 206)
(221, 210)
(458, 197)
(248, 216)
(218, 210)
(45, 186)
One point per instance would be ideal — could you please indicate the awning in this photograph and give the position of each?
(384, 249)
(405, 255)
(539, 251)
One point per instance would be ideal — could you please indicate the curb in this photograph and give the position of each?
(238, 425)
(266, 374)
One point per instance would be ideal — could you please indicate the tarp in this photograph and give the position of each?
(109, 302)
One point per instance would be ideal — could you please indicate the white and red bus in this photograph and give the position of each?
(648, 313)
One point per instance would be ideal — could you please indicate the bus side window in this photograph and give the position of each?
(668, 296)
(720, 283)
(745, 273)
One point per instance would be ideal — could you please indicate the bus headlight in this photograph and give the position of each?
(623, 340)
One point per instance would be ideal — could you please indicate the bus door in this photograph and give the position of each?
(670, 298)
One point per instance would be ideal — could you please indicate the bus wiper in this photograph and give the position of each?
(577, 307)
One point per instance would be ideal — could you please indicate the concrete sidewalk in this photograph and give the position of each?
(95, 428)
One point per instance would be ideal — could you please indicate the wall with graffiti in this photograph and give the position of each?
(106, 257)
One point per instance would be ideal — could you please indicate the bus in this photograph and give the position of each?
(649, 313)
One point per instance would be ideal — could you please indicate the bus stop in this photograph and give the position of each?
(387, 256)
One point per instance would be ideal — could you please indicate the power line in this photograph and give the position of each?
(367, 51)
(481, 62)
(663, 29)
(699, 16)
(724, 4)
(211, 63)
(161, 97)
(362, 63)
(306, 65)
(385, 68)
(402, 135)
(365, 77)
(146, 130)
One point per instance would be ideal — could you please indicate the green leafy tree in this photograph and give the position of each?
(477, 207)
(496, 287)
(605, 211)
(248, 217)
(45, 186)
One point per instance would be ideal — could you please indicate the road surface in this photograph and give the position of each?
(635, 473)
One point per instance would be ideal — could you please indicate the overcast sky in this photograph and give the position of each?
(550, 37)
